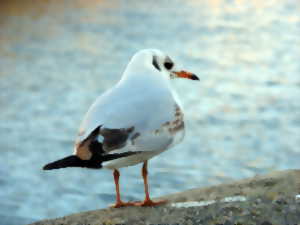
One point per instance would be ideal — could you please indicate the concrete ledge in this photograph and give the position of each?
(269, 199)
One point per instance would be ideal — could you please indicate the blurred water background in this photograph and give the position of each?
(56, 57)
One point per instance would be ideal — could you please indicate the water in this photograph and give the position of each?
(243, 118)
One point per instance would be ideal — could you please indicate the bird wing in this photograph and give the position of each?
(144, 122)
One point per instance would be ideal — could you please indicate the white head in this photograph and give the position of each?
(157, 63)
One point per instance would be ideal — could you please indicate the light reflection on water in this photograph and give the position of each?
(242, 118)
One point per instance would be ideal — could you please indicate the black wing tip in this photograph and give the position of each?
(48, 167)
(74, 161)
(68, 161)
(52, 166)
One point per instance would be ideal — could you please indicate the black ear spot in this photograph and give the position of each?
(154, 63)
(168, 65)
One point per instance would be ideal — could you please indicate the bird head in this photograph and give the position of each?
(160, 63)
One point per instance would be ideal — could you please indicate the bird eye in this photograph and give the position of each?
(168, 65)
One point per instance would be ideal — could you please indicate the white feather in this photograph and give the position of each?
(142, 99)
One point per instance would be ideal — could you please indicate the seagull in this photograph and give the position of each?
(137, 119)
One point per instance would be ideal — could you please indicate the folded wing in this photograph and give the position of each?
(126, 126)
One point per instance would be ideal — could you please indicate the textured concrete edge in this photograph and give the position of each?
(240, 195)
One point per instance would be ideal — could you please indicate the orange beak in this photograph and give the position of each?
(185, 74)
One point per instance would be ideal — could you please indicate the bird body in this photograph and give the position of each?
(133, 121)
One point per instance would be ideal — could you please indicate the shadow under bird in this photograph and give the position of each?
(138, 118)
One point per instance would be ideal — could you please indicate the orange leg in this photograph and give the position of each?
(147, 201)
(119, 202)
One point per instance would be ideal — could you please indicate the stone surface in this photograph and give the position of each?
(268, 199)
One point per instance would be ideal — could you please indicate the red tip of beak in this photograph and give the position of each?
(185, 74)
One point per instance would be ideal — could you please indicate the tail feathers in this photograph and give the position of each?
(73, 161)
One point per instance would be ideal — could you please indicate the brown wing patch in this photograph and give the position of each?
(83, 147)
(135, 136)
(175, 125)
(83, 152)
(178, 123)
(115, 138)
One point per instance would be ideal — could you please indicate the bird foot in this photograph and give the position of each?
(149, 202)
(122, 204)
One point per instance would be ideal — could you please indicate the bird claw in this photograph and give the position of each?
(145, 203)
(122, 204)
(149, 202)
